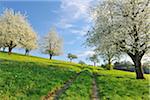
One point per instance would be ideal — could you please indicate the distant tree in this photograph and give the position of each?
(94, 59)
(108, 53)
(82, 62)
(71, 56)
(125, 24)
(52, 44)
(146, 64)
(14, 29)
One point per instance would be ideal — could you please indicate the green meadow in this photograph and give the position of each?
(33, 78)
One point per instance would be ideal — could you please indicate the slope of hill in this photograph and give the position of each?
(34, 78)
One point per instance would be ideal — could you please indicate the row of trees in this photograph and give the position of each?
(121, 26)
(16, 31)
(94, 59)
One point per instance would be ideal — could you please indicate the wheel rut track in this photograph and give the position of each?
(57, 94)
(95, 95)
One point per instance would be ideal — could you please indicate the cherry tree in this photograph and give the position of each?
(125, 24)
(52, 44)
(15, 30)
(109, 54)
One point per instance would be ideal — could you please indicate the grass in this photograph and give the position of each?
(80, 89)
(32, 78)
(119, 73)
(120, 85)
(23, 58)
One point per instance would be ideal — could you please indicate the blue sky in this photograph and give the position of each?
(70, 17)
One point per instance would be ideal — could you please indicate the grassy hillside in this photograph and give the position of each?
(33, 78)
(80, 89)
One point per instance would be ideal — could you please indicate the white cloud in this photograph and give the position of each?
(86, 53)
(55, 11)
(64, 24)
(76, 9)
(81, 31)
(73, 11)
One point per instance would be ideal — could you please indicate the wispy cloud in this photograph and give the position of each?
(81, 31)
(64, 24)
(76, 9)
(75, 19)
(73, 11)
(55, 11)
(86, 53)
(77, 31)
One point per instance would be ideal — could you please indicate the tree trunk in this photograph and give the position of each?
(3, 49)
(70, 60)
(26, 52)
(109, 65)
(138, 69)
(50, 56)
(9, 50)
(11, 46)
(137, 63)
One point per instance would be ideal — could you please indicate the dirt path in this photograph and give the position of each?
(65, 87)
(56, 95)
(95, 95)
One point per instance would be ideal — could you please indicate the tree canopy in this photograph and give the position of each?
(15, 30)
(52, 44)
(94, 59)
(124, 24)
(71, 56)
